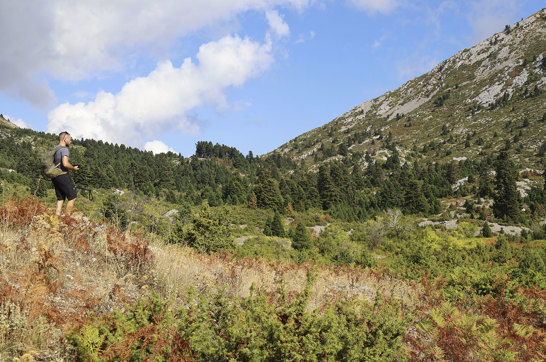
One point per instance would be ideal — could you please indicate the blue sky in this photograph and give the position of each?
(252, 74)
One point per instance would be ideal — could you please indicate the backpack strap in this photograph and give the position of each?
(57, 149)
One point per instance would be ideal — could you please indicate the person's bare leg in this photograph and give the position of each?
(59, 207)
(69, 207)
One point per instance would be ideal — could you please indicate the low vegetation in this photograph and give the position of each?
(75, 289)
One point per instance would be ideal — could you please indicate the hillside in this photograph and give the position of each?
(73, 289)
(6, 122)
(483, 99)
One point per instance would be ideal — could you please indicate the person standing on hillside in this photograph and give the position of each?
(64, 186)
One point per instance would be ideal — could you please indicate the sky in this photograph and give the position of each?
(252, 74)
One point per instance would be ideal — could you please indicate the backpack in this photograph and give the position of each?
(48, 165)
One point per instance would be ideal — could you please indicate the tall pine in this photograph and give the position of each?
(507, 200)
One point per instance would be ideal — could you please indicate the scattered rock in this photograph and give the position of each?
(241, 240)
(169, 214)
(449, 224)
(318, 229)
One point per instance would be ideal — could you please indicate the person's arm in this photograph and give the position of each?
(68, 165)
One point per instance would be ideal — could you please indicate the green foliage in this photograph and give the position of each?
(268, 194)
(274, 227)
(301, 239)
(114, 210)
(207, 231)
(143, 332)
(507, 200)
(531, 268)
(265, 247)
(218, 328)
(486, 231)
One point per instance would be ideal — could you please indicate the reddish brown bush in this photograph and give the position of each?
(17, 212)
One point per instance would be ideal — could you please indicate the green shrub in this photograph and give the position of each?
(218, 328)
(114, 210)
(207, 232)
(143, 332)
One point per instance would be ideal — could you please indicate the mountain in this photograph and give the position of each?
(481, 100)
(6, 122)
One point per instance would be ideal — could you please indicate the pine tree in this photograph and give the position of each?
(277, 229)
(166, 176)
(391, 194)
(268, 194)
(414, 200)
(301, 239)
(453, 172)
(507, 200)
(486, 231)
(485, 187)
(267, 227)
(326, 188)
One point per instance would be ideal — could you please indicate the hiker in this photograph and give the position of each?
(64, 186)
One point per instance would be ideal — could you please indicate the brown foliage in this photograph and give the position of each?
(58, 269)
(18, 212)
(509, 314)
(167, 343)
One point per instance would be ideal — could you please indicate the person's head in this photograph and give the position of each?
(65, 138)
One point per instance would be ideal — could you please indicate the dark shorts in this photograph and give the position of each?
(64, 187)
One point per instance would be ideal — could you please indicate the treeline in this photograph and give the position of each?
(223, 175)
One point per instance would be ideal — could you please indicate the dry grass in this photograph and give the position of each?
(55, 271)
(178, 268)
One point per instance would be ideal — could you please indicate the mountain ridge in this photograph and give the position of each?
(464, 93)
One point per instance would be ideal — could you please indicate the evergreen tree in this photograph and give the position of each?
(277, 229)
(267, 227)
(507, 200)
(268, 194)
(326, 188)
(391, 195)
(414, 200)
(301, 239)
(166, 176)
(212, 195)
(141, 178)
(485, 187)
(233, 193)
(486, 231)
(453, 172)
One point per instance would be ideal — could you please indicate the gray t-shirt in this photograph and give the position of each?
(59, 156)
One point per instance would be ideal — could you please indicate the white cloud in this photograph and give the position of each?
(277, 24)
(241, 106)
(149, 106)
(18, 122)
(82, 39)
(375, 6)
(157, 147)
(302, 38)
